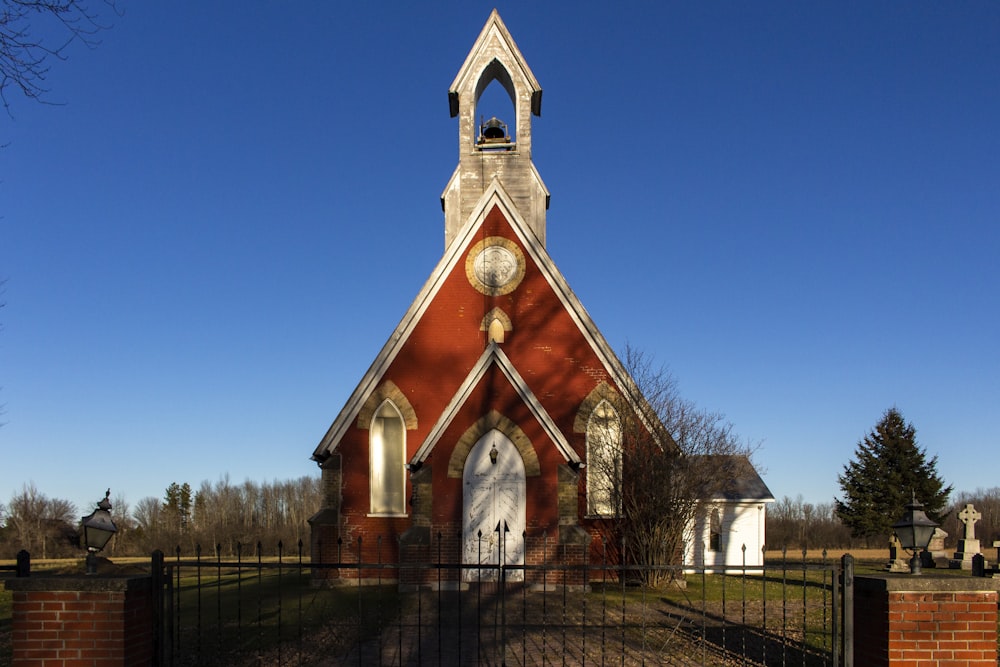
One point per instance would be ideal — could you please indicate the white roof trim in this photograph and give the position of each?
(494, 195)
(494, 355)
(453, 254)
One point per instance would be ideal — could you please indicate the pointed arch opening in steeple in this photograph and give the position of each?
(496, 109)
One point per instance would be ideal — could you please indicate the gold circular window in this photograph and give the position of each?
(495, 266)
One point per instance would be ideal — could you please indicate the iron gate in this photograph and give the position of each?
(267, 610)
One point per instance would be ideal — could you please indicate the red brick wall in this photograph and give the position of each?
(549, 351)
(97, 626)
(946, 628)
(556, 361)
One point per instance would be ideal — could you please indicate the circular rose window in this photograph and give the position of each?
(495, 266)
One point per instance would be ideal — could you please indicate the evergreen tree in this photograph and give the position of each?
(888, 469)
(177, 506)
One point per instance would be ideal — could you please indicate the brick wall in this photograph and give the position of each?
(906, 621)
(92, 621)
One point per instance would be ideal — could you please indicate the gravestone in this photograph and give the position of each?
(936, 556)
(899, 560)
(968, 546)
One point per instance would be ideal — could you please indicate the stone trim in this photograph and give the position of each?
(496, 314)
(387, 390)
(602, 392)
(331, 479)
(568, 491)
(88, 583)
(510, 282)
(421, 506)
(422, 498)
(486, 423)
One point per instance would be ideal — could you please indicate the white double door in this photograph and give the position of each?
(493, 503)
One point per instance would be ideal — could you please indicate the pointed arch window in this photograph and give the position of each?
(387, 443)
(715, 531)
(495, 333)
(604, 461)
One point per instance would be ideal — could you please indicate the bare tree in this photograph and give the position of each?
(227, 516)
(662, 462)
(2, 304)
(796, 524)
(122, 517)
(34, 31)
(987, 503)
(148, 516)
(42, 525)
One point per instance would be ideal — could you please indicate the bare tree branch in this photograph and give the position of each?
(667, 459)
(34, 31)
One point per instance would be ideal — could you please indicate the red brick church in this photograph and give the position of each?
(496, 389)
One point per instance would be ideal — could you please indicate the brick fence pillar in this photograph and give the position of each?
(903, 620)
(96, 621)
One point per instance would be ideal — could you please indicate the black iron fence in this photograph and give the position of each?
(249, 607)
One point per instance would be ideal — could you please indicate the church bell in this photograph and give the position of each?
(493, 131)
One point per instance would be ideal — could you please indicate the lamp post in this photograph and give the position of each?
(97, 528)
(914, 531)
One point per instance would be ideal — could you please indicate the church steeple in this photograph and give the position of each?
(488, 149)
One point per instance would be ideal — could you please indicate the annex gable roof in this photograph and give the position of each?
(743, 482)
(494, 197)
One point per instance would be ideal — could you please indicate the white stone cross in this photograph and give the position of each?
(969, 517)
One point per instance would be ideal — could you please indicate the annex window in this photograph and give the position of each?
(604, 461)
(715, 531)
(388, 447)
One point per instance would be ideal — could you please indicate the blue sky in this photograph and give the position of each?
(792, 205)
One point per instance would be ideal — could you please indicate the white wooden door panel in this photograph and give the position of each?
(493, 508)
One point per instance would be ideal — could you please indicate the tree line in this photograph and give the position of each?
(225, 514)
(215, 514)
(795, 524)
(889, 469)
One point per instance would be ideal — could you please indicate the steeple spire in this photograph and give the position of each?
(494, 148)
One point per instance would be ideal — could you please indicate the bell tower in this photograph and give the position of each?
(487, 148)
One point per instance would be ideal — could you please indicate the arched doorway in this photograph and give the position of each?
(493, 508)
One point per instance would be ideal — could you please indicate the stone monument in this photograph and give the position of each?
(936, 554)
(899, 561)
(968, 546)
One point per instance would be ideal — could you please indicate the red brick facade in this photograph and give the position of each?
(560, 367)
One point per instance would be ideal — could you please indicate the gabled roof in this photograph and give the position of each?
(494, 196)
(743, 481)
(495, 30)
(494, 356)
